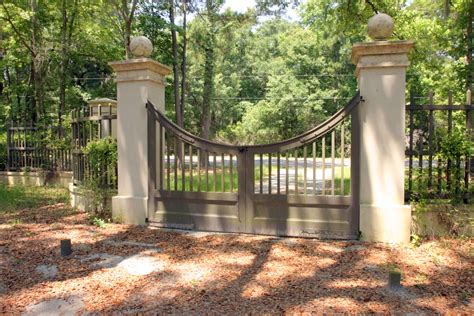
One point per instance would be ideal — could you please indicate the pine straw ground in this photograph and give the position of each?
(218, 274)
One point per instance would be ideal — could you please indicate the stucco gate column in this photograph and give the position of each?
(381, 68)
(138, 80)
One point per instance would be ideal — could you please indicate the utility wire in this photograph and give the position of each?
(275, 99)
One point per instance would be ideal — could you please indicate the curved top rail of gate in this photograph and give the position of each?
(290, 143)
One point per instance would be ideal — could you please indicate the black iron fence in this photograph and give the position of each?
(439, 149)
(32, 148)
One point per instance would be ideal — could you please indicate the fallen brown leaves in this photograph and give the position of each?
(226, 273)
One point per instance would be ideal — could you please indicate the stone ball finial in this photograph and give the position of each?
(140, 46)
(380, 26)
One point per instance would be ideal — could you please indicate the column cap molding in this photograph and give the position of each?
(138, 64)
(380, 48)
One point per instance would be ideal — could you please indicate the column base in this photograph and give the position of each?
(129, 209)
(385, 223)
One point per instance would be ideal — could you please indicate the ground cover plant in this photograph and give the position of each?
(122, 268)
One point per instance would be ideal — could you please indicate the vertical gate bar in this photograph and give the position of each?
(439, 170)
(231, 162)
(183, 166)
(161, 168)
(199, 168)
(269, 173)
(278, 172)
(261, 173)
(24, 151)
(190, 148)
(314, 167)
(430, 143)
(296, 172)
(305, 166)
(420, 163)
(467, 160)
(99, 129)
(214, 171)
(333, 155)
(324, 165)
(151, 142)
(163, 151)
(287, 175)
(450, 129)
(457, 187)
(411, 131)
(246, 188)
(342, 158)
(355, 171)
(223, 173)
(9, 145)
(168, 164)
(175, 160)
(206, 153)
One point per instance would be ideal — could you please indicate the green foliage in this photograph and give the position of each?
(101, 176)
(455, 145)
(453, 220)
(102, 158)
(271, 78)
(415, 240)
(99, 222)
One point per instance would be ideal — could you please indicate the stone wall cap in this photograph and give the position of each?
(140, 64)
(380, 48)
(102, 101)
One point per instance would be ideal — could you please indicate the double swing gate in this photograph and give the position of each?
(298, 187)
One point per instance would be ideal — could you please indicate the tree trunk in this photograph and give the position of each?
(30, 107)
(208, 91)
(128, 31)
(36, 102)
(469, 52)
(62, 77)
(127, 16)
(183, 60)
(174, 41)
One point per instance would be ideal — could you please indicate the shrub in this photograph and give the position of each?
(99, 179)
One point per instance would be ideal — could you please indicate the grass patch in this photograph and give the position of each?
(218, 178)
(18, 197)
(211, 180)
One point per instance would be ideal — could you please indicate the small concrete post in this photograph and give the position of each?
(381, 68)
(138, 80)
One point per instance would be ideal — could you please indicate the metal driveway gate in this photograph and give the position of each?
(299, 187)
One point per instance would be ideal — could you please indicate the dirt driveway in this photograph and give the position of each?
(129, 269)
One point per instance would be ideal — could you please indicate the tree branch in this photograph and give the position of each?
(9, 20)
(374, 8)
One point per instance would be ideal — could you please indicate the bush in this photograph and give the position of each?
(455, 147)
(99, 179)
